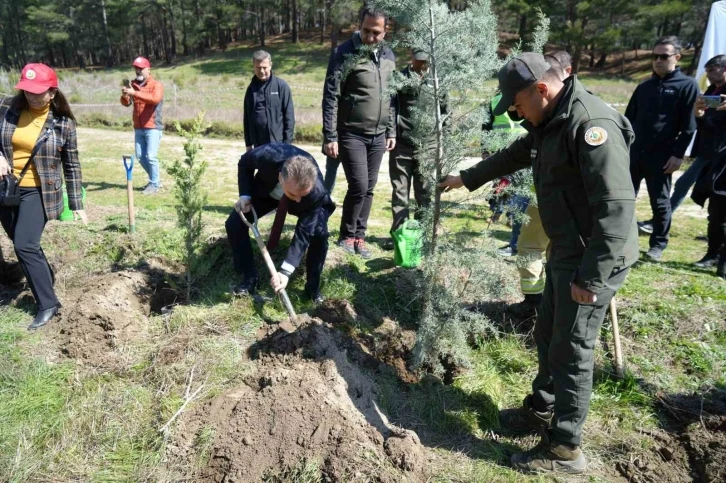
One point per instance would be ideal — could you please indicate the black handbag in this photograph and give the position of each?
(10, 185)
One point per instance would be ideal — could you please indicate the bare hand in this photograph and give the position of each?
(331, 149)
(390, 144)
(243, 205)
(279, 281)
(128, 91)
(582, 295)
(451, 182)
(699, 109)
(81, 215)
(4, 166)
(672, 165)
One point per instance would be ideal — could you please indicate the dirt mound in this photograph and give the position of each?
(110, 312)
(309, 399)
(664, 461)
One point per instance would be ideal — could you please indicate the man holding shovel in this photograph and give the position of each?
(578, 148)
(283, 177)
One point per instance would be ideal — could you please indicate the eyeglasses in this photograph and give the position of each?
(662, 56)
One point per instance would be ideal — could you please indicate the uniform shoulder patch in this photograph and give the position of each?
(595, 136)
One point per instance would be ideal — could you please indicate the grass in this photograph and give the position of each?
(65, 422)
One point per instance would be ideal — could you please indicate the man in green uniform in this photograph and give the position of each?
(578, 149)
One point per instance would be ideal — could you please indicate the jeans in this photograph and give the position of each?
(686, 182)
(147, 152)
(361, 157)
(518, 205)
(24, 225)
(331, 170)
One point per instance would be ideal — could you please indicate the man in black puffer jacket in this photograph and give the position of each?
(661, 113)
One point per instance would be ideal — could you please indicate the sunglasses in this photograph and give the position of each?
(662, 56)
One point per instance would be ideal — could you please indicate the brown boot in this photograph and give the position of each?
(524, 419)
(550, 457)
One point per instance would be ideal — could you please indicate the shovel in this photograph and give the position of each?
(129, 165)
(268, 261)
(619, 370)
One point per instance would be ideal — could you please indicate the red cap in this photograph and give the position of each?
(142, 63)
(37, 78)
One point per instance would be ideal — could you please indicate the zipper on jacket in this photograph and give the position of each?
(380, 93)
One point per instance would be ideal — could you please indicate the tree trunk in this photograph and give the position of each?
(261, 24)
(172, 30)
(601, 61)
(295, 22)
(323, 18)
(185, 42)
(107, 38)
(522, 25)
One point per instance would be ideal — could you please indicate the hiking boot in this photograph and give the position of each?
(654, 254)
(708, 261)
(247, 287)
(150, 190)
(550, 457)
(347, 244)
(361, 249)
(388, 244)
(507, 251)
(645, 227)
(524, 419)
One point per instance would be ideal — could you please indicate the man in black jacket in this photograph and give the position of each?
(358, 120)
(278, 175)
(269, 115)
(661, 112)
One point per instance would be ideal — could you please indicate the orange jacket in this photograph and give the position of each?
(148, 101)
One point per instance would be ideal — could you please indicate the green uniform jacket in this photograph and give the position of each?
(585, 194)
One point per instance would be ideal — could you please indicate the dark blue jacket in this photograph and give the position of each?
(661, 113)
(711, 136)
(257, 177)
(279, 112)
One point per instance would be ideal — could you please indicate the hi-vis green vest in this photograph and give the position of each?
(504, 121)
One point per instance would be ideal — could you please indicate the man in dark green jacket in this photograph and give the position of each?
(358, 120)
(578, 148)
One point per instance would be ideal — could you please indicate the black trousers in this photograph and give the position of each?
(717, 227)
(565, 333)
(239, 238)
(405, 171)
(659, 192)
(24, 225)
(361, 158)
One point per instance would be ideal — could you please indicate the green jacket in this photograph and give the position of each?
(357, 101)
(581, 165)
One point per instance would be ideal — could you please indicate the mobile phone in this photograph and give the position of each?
(712, 102)
(127, 83)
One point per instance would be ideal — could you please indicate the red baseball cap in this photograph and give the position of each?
(142, 63)
(37, 78)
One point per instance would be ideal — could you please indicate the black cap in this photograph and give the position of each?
(518, 74)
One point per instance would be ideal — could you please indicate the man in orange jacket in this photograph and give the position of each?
(148, 97)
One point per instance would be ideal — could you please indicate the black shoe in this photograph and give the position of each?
(388, 244)
(247, 287)
(721, 270)
(43, 316)
(708, 261)
(654, 254)
(525, 419)
(507, 251)
(361, 249)
(347, 244)
(645, 227)
(533, 299)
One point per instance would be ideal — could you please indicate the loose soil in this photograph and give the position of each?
(311, 396)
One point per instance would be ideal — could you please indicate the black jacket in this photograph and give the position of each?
(278, 123)
(661, 113)
(355, 97)
(711, 135)
(257, 177)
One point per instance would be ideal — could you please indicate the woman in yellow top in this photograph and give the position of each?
(38, 123)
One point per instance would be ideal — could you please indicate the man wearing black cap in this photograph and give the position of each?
(404, 162)
(578, 148)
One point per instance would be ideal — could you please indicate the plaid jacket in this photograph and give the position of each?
(58, 151)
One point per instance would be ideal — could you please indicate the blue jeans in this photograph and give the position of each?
(686, 181)
(518, 204)
(147, 152)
